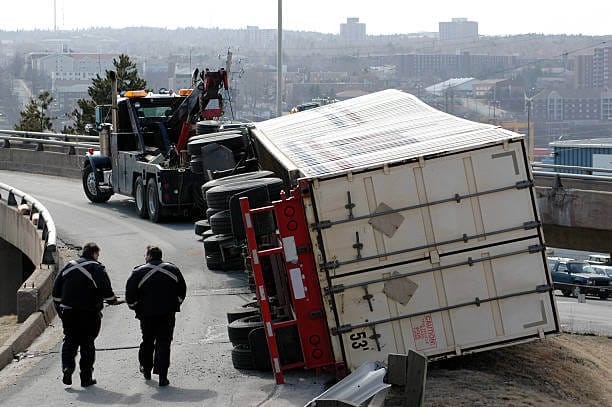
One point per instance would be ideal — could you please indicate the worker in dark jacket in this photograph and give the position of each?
(79, 292)
(155, 290)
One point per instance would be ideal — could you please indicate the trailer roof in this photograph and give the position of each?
(368, 131)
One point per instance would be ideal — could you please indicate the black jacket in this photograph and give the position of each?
(83, 284)
(154, 289)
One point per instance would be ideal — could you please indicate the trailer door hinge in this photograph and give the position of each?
(342, 329)
(531, 225)
(330, 265)
(358, 245)
(543, 288)
(536, 248)
(324, 224)
(375, 336)
(368, 297)
(524, 184)
(350, 205)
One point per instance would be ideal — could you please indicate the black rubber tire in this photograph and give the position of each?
(140, 197)
(199, 201)
(212, 211)
(214, 261)
(232, 139)
(218, 197)
(207, 126)
(241, 312)
(235, 178)
(233, 264)
(90, 186)
(566, 293)
(196, 165)
(238, 330)
(259, 349)
(604, 296)
(153, 205)
(221, 223)
(235, 142)
(242, 358)
(212, 243)
(200, 227)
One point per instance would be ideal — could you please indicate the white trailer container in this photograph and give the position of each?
(424, 227)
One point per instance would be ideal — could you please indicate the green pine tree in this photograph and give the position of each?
(100, 92)
(35, 116)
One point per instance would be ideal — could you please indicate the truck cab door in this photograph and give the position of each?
(125, 154)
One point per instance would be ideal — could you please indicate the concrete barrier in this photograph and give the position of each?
(27, 225)
(34, 292)
(41, 162)
(29, 330)
(576, 219)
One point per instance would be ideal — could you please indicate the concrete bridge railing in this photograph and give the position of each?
(27, 229)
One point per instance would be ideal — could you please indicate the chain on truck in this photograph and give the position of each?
(145, 152)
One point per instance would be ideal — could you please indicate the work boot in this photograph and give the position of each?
(145, 372)
(67, 378)
(87, 380)
(163, 380)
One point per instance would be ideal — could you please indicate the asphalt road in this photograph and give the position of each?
(201, 372)
(591, 317)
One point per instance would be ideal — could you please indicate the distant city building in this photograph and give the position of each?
(71, 75)
(449, 65)
(583, 71)
(602, 68)
(352, 31)
(458, 29)
(566, 104)
(253, 36)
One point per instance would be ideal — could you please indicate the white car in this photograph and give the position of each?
(601, 269)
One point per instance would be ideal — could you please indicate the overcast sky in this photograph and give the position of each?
(589, 17)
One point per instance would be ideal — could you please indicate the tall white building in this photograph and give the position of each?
(458, 29)
(352, 31)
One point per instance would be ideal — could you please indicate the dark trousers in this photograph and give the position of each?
(81, 329)
(154, 350)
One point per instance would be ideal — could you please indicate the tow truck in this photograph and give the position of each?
(142, 151)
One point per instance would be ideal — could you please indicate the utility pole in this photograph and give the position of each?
(279, 60)
(54, 15)
(530, 140)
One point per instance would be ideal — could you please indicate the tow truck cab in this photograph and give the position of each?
(136, 157)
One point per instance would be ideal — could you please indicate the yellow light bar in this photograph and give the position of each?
(135, 93)
(185, 92)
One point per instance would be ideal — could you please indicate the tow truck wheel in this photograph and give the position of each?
(140, 197)
(153, 204)
(91, 188)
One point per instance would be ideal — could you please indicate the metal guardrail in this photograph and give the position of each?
(72, 145)
(53, 136)
(15, 197)
(588, 171)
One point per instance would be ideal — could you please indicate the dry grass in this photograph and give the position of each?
(568, 370)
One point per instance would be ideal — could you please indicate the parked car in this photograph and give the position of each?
(601, 269)
(574, 276)
(600, 259)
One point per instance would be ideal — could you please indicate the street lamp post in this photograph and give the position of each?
(279, 59)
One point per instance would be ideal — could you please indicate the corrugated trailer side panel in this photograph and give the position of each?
(442, 255)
